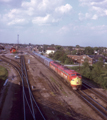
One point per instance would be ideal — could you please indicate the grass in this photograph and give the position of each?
(3, 73)
(52, 79)
(52, 93)
(68, 113)
(64, 93)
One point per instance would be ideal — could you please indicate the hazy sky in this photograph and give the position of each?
(59, 22)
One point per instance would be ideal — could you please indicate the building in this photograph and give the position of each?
(81, 59)
(1, 48)
(90, 58)
(13, 50)
(50, 50)
(96, 58)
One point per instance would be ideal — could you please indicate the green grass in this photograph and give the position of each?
(68, 113)
(52, 79)
(3, 73)
(52, 93)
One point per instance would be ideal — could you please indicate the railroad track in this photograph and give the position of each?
(31, 110)
(97, 93)
(93, 104)
(101, 110)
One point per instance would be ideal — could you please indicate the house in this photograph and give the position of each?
(50, 50)
(13, 50)
(90, 58)
(81, 59)
(96, 58)
(1, 48)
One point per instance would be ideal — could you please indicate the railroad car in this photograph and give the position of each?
(47, 61)
(72, 77)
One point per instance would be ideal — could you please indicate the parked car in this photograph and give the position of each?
(16, 57)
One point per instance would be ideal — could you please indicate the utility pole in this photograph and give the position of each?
(18, 39)
(17, 42)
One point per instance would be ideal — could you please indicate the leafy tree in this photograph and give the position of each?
(45, 48)
(86, 71)
(59, 48)
(77, 46)
(96, 71)
(51, 55)
(68, 52)
(68, 60)
(74, 52)
(96, 48)
(100, 62)
(70, 48)
(89, 51)
(86, 64)
(58, 54)
(62, 58)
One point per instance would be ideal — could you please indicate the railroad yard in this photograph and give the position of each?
(50, 97)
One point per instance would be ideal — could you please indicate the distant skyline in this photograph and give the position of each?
(59, 22)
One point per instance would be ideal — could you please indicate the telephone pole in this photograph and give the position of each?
(18, 39)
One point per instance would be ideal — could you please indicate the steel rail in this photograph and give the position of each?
(33, 97)
(95, 101)
(37, 106)
(103, 114)
(99, 94)
(23, 93)
(26, 76)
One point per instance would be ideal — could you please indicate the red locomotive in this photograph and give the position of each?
(71, 76)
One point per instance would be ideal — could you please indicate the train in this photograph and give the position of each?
(73, 78)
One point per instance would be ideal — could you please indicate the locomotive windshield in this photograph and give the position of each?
(73, 75)
(78, 74)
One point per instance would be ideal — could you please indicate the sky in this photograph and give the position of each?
(59, 22)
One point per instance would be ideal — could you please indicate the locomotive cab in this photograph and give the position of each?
(76, 81)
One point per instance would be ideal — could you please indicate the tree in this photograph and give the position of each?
(51, 55)
(86, 71)
(96, 71)
(100, 62)
(70, 48)
(45, 47)
(77, 46)
(74, 52)
(89, 51)
(68, 52)
(59, 48)
(68, 61)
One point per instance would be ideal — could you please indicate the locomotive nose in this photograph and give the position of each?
(78, 80)
(76, 83)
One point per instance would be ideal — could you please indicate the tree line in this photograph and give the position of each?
(61, 55)
(96, 73)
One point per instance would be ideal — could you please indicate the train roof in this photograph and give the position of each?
(63, 68)
(48, 59)
(67, 70)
